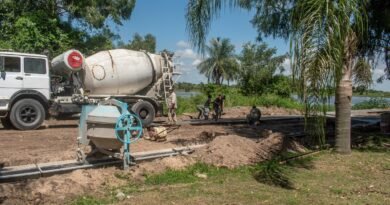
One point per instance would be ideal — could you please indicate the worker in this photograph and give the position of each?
(222, 105)
(217, 107)
(254, 116)
(204, 109)
(172, 106)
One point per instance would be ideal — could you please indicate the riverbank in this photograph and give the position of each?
(236, 99)
(188, 101)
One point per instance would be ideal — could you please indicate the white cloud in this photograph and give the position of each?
(378, 72)
(182, 44)
(196, 62)
(186, 60)
(287, 66)
(186, 53)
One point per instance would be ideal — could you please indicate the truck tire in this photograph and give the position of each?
(27, 114)
(6, 123)
(145, 111)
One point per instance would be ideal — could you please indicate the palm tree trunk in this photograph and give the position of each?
(343, 116)
(344, 97)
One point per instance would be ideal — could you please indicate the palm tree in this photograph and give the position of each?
(220, 64)
(324, 36)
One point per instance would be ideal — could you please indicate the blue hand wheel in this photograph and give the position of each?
(128, 128)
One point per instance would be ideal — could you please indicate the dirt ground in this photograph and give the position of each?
(227, 146)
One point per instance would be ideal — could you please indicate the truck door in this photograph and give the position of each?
(36, 75)
(11, 78)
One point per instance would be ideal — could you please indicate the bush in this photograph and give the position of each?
(375, 102)
(189, 104)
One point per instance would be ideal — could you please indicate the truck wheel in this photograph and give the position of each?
(145, 111)
(6, 123)
(27, 114)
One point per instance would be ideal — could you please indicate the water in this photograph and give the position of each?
(184, 94)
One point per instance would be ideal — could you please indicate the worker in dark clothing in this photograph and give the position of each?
(254, 116)
(204, 109)
(222, 105)
(217, 107)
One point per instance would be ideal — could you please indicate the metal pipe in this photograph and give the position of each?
(37, 170)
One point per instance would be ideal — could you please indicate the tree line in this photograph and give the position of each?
(53, 26)
(257, 70)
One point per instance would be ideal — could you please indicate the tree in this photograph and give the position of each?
(220, 63)
(147, 43)
(377, 41)
(57, 25)
(324, 36)
(258, 68)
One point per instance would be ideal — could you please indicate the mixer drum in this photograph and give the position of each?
(120, 72)
(100, 127)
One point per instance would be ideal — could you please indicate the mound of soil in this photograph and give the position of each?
(160, 165)
(232, 150)
(59, 188)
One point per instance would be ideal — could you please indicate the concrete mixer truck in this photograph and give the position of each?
(32, 88)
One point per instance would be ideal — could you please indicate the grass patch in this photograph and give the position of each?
(89, 200)
(188, 175)
(327, 178)
(234, 98)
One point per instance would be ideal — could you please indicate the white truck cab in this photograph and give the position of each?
(24, 89)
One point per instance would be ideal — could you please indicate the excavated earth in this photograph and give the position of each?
(226, 146)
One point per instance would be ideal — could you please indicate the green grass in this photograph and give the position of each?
(325, 178)
(234, 98)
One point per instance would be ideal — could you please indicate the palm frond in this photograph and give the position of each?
(362, 75)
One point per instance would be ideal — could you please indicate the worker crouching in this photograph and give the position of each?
(158, 134)
(254, 116)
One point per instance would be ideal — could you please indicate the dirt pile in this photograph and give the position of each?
(279, 111)
(160, 165)
(229, 151)
(59, 188)
(232, 150)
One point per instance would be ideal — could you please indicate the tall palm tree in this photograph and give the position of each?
(325, 37)
(220, 63)
(323, 34)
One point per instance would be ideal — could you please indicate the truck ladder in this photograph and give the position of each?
(167, 78)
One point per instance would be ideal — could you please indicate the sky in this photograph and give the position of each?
(165, 19)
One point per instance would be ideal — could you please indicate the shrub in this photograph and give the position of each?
(376, 102)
